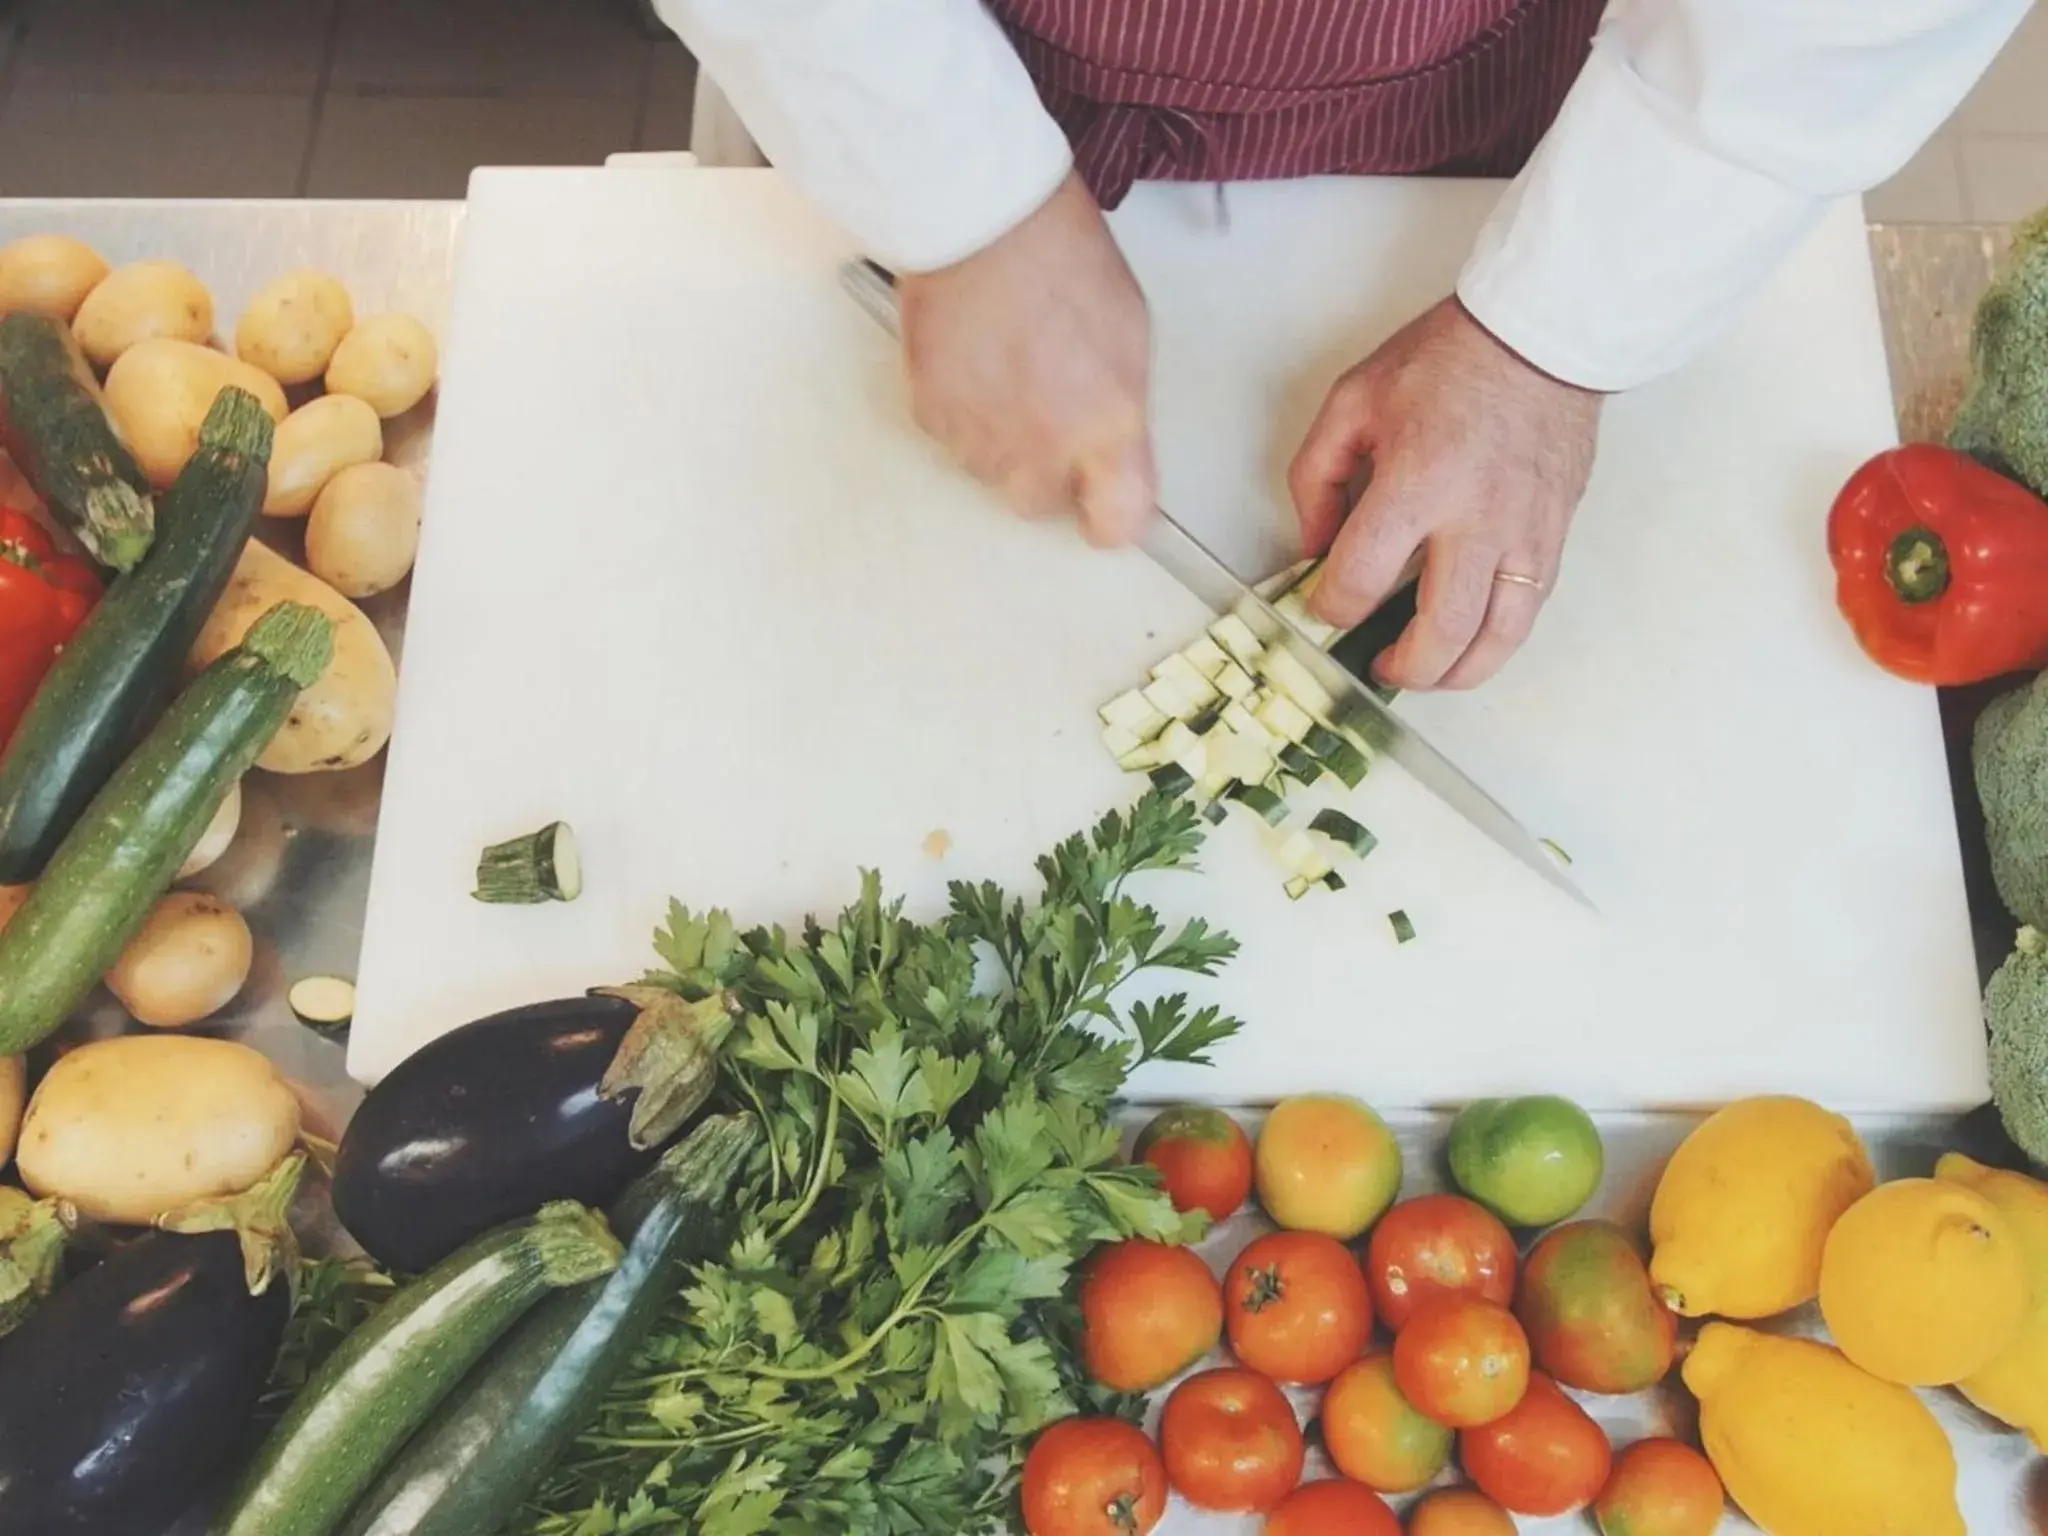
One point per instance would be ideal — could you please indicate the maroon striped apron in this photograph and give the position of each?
(1240, 90)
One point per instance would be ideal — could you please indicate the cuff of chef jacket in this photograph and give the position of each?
(1626, 244)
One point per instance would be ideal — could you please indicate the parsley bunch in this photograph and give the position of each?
(890, 1323)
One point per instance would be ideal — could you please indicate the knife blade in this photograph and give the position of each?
(1352, 705)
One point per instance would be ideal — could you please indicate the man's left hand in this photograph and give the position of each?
(1478, 461)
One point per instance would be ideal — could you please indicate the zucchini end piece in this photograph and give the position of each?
(573, 1244)
(294, 639)
(524, 871)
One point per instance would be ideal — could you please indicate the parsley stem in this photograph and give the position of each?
(827, 1140)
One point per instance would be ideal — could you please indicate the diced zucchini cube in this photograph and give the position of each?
(1236, 637)
(1133, 711)
(1233, 682)
(1206, 657)
(1282, 716)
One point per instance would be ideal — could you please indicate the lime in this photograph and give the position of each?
(1530, 1161)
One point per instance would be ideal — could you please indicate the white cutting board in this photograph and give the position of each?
(691, 581)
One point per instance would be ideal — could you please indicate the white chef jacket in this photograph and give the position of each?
(1702, 141)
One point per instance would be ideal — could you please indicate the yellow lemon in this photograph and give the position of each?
(1743, 1209)
(2014, 1386)
(1922, 1282)
(1808, 1445)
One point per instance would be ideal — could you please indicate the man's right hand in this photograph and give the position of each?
(1030, 363)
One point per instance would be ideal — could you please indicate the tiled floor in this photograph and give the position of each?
(399, 98)
(324, 98)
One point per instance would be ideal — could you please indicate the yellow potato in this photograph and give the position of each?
(365, 529)
(247, 872)
(48, 275)
(141, 302)
(160, 391)
(219, 833)
(388, 360)
(13, 1092)
(129, 1128)
(186, 963)
(319, 439)
(291, 328)
(343, 719)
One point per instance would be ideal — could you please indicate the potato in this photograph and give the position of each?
(160, 391)
(143, 301)
(319, 439)
(343, 719)
(365, 529)
(129, 1128)
(388, 360)
(186, 962)
(291, 328)
(48, 275)
(220, 832)
(13, 1092)
(247, 873)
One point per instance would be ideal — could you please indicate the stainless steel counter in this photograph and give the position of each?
(299, 868)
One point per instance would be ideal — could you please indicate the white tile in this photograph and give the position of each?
(671, 91)
(2004, 179)
(491, 47)
(1928, 191)
(140, 144)
(269, 46)
(2013, 96)
(410, 146)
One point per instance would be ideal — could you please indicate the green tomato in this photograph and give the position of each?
(1530, 1161)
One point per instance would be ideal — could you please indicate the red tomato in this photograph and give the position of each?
(1093, 1477)
(1462, 1362)
(1230, 1441)
(1459, 1512)
(1203, 1156)
(1332, 1508)
(1375, 1435)
(1297, 1307)
(1438, 1245)
(1148, 1312)
(1547, 1457)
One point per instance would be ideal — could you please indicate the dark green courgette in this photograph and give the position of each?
(496, 1439)
(55, 427)
(125, 849)
(387, 1377)
(115, 675)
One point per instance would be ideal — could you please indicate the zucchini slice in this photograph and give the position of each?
(324, 1004)
(541, 866)
(1341, 829)
(1299, 765)
(1172, 779)
(1262, 802)
(1404, 928)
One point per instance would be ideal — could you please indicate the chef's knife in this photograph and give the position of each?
(1354, 706)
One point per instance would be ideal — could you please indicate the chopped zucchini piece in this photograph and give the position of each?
(1181, 672)
(1297, 886)
(1297, 763)
(324, 1004)
(1341, 829)
(1245, 723)
(1333, 881)
(541, 866)
(1261, 802)
(1171, 700)
(1282, 716)
(1404, 929)
(1206, 657)
(1134, 712)
(1237, 639)
(1214, 812)
(1345, 761)
(1293, 607)
(1204, 722)
(1233, 682)
(1301, 852)
(1120, 741)
(1239, 757)
(1171, 779)
(1290, 677)
(1556, 852)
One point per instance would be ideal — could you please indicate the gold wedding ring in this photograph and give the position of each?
(1518, 579)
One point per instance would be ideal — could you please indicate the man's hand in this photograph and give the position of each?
(1477, 458)
(1030, 361)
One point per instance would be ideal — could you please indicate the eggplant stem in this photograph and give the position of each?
(669, 1056)
(260, 1218)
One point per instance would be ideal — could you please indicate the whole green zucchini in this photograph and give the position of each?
(496, 1439)
(384, 1379)
(125, 849)
(54, 425)
(115, 675)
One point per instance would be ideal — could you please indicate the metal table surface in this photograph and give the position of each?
(299, 867)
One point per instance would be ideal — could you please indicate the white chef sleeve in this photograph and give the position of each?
(1703, 141)
(910, 122)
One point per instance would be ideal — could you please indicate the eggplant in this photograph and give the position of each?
(562, 1100)
(124, 1396)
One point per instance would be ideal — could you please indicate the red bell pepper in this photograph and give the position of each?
(44, 597)
(1941, 566)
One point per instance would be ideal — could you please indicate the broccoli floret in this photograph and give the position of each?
(2004, 416)
(2010, 755)
(2016, 1008)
